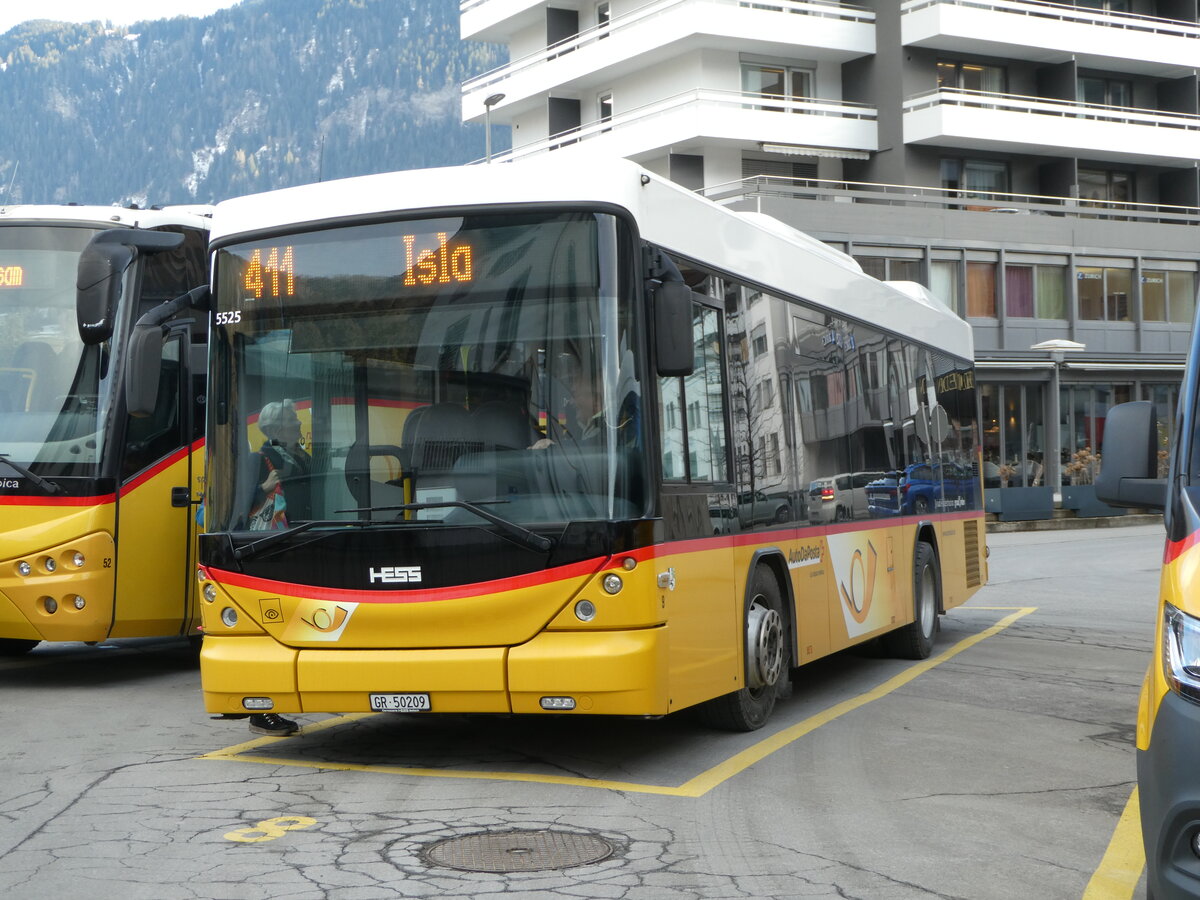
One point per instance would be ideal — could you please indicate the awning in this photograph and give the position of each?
(824, 152)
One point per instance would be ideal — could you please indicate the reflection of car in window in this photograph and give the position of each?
(756, 508)
(922, 488)
(840, 498)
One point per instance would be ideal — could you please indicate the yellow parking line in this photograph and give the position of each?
(694, 787)
(1121, 867)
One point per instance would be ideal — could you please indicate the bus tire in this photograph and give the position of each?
(767, 660)
(16, 646)
(915, 640)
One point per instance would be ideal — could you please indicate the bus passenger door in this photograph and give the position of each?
(154, 509)
(699, 510)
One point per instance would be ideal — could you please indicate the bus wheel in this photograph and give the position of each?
(915, 640)
(766, 661)
(16, 647)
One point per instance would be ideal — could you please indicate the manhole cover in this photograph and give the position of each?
(518, 851)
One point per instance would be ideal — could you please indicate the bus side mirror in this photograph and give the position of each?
(143, 366)
(98, 282)
(1129, 458)
(673, 329)
(143, 361)
(101, 272)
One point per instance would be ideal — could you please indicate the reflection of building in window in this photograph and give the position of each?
(1168, 296)
(1104, 293)
(758, 340)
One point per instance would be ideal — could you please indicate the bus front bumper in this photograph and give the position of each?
(604, 673)
(1169, 796)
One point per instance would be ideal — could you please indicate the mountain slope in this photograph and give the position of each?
(266, 94)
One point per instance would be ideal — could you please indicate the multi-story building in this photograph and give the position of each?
(1034, 163)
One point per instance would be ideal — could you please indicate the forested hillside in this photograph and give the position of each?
(266, 94)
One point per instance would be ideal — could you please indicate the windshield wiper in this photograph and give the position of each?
(48, 486)
(523, 535)
(256, 547)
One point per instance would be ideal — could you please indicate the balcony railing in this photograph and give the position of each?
(1041, 9)
(820, 8)
(1122, 115)
(992, 202)
(697, 100)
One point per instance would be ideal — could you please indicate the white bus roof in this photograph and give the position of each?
(773, 254)
(195, 216)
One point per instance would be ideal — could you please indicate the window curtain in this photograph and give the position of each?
(1018, 291)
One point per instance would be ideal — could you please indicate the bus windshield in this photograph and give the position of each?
(53, 389)
(419, 371)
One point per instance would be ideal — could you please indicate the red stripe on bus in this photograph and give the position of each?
(1175, 549)
(162, 465)
(546, 576)
(96, 500)
(349, 595)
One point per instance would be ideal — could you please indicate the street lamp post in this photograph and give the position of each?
(1058, 349)
(488, 103)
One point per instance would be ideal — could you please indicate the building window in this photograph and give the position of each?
(603, 15)
(888, 269)
(1104, 293)
(758, 340)
(1104, 91)
(978, 178)
(981, 290)
(774, 465)
(1013, 424)
(1107, 186)
(1104, 5)
(944, 282)
(777, 81)
(604, 109)
(972, 77)
(1035, 291)
(766, 394)
(1084, 409)
(1168, 296)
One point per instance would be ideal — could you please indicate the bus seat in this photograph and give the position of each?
(501, 426)
(434, 437)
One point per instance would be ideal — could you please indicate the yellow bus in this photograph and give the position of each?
(564, 436)
(1140, 472)
(96, 505)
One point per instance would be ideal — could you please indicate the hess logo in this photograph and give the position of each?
(395, 575)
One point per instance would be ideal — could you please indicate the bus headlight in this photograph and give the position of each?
(78, 559)
(24, 568)
(229, 617)
(1181, 652)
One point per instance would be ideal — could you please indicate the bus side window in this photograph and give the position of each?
(150, 438)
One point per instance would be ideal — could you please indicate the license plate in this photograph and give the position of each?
(400, 702)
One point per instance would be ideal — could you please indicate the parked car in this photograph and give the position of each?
(756, 508)
(840, 498)
(922, 488)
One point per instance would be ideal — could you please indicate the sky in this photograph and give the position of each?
(119, 12)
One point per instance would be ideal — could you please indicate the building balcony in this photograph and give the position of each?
(497, 21)
(979, 121)
(817, 30)
(1047, 32)
(696, 119)
(982, 207)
